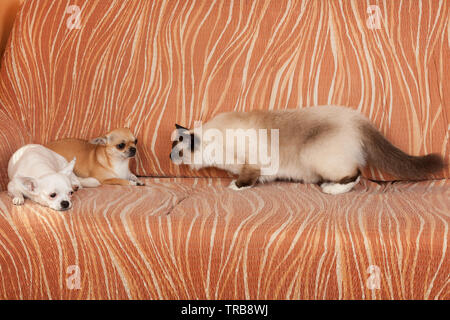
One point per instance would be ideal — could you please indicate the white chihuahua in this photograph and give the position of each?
(43, 176)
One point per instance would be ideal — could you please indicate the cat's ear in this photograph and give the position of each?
(180, 127)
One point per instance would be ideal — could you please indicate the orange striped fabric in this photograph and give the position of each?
(12, 137)
(196, 239)
(149, 64)
(80, 68)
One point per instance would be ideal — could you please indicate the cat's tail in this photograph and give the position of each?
(382, 154)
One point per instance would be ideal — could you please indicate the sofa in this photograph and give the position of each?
(8, 11)
(80, 68)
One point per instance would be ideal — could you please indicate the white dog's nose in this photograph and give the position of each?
(65, 204)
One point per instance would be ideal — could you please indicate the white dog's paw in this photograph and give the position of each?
(233, 186)
(18, 201)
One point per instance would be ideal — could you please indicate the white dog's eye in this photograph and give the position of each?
(70, 193)
(52, 195)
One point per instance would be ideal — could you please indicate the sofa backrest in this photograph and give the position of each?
(79, 68)
(8, 10)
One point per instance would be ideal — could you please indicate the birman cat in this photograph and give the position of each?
(326, 145)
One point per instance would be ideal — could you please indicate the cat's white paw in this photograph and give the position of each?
(337, 188)
(233, 186)
(18, 201)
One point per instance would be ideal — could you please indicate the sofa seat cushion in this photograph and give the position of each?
(193, 238)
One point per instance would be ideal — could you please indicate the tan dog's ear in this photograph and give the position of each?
(100, 140)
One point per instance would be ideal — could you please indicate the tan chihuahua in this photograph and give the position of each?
(105, 159)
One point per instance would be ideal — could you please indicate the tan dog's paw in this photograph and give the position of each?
(140, 183)
(76, 184)
(134, 181)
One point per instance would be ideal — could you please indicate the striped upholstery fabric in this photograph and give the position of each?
(149, 64)
(12, 137)
(194, 238)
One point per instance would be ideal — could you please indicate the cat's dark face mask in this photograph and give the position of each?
(183, 141)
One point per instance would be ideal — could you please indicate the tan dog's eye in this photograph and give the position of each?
(120, 146)
(135, 141)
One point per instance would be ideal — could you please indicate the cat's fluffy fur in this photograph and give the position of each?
(327, 145)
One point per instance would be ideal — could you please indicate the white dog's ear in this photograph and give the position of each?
(100, 140)
(67, 170)
(29, 184)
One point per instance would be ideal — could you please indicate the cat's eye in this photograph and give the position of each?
(52, 195)
(120, 146)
